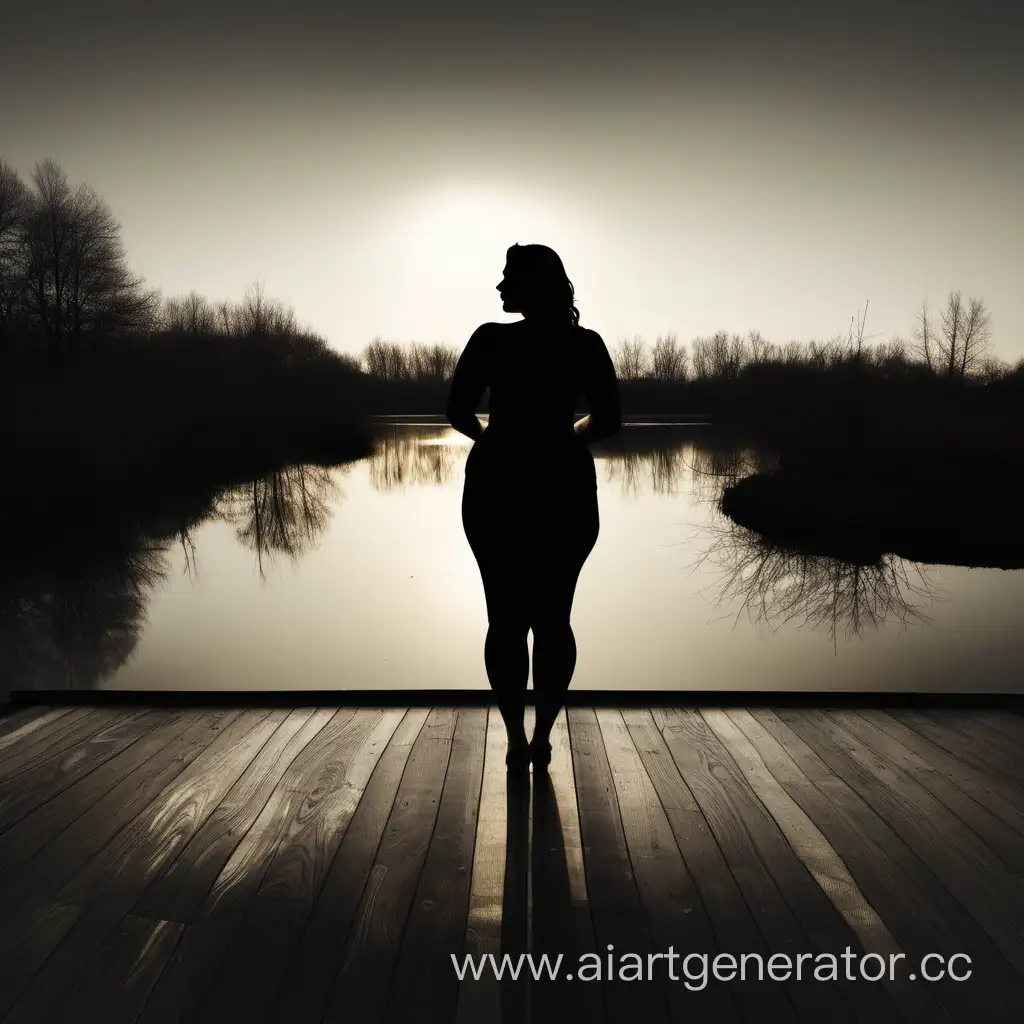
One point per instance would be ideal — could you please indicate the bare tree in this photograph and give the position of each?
(791, 354)
(190, 314)
(726, 355)
(824, 354)
(225, 318)
(437, 361)
(255, 315)
(104, 296)
(701, 363)
(14, 208)
(631, 358)
(668, 358)
(951, 322)
(924, 335)
(991, 368)
(385, 359)
(890, 355)
(78, 280)
(975, 335)
(759, 350)
(961, 342)
(47, 244)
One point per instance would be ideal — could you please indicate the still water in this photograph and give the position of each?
(360, 577)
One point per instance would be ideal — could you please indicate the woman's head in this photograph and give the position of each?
(535, 283)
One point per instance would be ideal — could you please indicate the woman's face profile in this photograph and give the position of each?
(508, 292)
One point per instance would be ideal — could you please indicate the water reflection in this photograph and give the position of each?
(285, 512)
(654, 457)
(411, 456)
(73, 621)
(775, 584)
(73, 605)
(74, 597)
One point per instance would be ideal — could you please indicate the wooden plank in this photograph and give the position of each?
(196, 965)
(87, 813)
(24, 949)
(178, 893)
(481, 999)
(984, 750)
(790, 908)
(1002, 844)
(50, 739)
(962, 791)
(118, 979)
(1008, 723)
(616, 906)
(23, 793)
(561, 916)
(424, 986)
(867, 930)
(315, 961)
(331, 786)
(991, 791)
(110, 883)
(675, 912)
(919, 911)
(205, 945)
(370, 953)
(965, 865)
(732, 921)
(15, 727)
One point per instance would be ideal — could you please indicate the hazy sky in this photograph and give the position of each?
(748, 165)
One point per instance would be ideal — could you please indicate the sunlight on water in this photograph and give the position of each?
(361, 577)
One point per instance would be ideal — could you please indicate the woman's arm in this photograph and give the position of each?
(602, 390)
(468, 383)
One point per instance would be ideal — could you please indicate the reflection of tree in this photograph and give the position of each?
(284, 512)
(650, 455)
(72, 620)
(719, 462)
(778, 584)
(413, 455)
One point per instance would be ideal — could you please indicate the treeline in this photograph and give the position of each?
(747, 379)
(249, 371)
(107, 381)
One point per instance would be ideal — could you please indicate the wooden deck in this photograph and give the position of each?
(323, 863)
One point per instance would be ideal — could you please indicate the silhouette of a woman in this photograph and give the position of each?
(529, 507)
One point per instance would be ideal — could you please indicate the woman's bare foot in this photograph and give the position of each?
(540, 753)
(518, 757)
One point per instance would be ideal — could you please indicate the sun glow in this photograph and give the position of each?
(456, 235)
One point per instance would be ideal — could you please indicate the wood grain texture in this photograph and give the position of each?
(14, 727)
(369, 960)
(333, 773)
(22, 793)
(109, 884)
(916, 908)
(324, 863)
(958, 858)
(616, 906)
(316, 960)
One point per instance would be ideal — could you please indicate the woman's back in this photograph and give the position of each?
(536, 372)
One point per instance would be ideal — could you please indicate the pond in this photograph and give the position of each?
(360, 577)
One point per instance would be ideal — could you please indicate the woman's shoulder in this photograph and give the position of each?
(493, 328)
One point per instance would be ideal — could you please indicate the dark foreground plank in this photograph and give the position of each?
(318, 863)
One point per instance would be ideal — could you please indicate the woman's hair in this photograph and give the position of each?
(544, 278)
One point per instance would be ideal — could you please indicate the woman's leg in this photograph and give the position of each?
(506, 654)
(554, 643)
(554, 661)
(507, 659)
